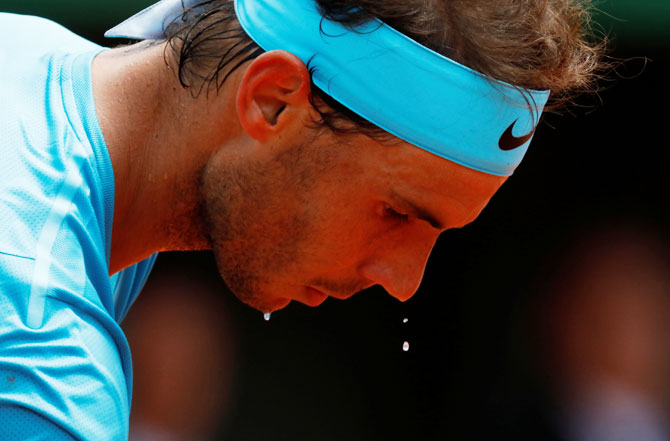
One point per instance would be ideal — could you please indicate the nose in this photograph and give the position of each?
(399, 267)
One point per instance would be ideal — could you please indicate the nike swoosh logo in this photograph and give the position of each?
(510, 142)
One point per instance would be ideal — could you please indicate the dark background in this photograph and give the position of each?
(338, 371)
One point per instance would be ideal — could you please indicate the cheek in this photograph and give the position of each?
(346, 235)
(241, 199)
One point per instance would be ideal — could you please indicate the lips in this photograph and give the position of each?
(342, 296)
(313, 297)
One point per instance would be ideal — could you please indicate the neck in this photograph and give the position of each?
(159, 140)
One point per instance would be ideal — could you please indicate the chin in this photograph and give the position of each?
(272, 305)
(262, 302)
(252, 292)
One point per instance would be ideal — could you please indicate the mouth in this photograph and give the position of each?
(342, 296)
(313, 297)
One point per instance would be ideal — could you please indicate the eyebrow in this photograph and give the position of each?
(418, 211)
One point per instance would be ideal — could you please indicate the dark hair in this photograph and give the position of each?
(533, 44)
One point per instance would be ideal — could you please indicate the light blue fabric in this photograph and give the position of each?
(405, 88)
(65, 367)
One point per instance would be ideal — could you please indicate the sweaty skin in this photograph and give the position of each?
(290, 210)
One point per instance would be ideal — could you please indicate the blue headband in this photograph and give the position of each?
(387, 78)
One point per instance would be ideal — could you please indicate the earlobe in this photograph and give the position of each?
(273, 93)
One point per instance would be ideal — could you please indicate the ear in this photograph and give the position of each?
(273, 93)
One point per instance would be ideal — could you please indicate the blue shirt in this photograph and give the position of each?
(65, 368)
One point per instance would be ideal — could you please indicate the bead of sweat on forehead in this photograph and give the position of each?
(394, 82)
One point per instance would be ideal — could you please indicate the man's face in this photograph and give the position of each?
(333, 215)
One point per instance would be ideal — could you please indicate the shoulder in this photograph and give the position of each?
(29, 33)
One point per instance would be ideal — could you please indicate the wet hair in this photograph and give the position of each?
(534, 44)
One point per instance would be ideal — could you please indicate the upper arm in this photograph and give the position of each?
(64, 378)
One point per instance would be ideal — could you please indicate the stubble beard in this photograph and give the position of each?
(251, 244)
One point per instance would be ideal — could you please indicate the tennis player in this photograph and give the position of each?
(318, 148)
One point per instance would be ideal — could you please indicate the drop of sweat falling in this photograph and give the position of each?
(266, 316)
(405, 345)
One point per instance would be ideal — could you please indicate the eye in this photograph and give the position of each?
(391, 213)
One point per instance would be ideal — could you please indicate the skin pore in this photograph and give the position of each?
(291, 210)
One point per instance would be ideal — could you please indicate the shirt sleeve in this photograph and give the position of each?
(63, 380)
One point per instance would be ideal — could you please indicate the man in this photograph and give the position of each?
(314, 147)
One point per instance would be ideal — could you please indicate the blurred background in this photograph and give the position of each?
(547, 319)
